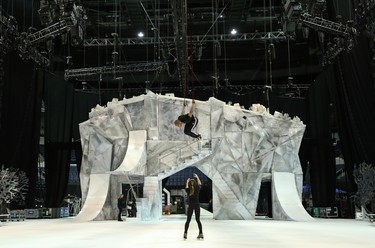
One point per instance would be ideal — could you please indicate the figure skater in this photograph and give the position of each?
(193, 186)
(189, 120)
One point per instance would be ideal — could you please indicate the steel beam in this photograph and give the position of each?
(88, 73)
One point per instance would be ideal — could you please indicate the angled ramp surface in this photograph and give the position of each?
(287, 195)
(96, 197)
(134, 153)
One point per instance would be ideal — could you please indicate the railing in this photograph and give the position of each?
(177, 155)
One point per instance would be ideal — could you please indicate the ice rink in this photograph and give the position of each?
(132, 232)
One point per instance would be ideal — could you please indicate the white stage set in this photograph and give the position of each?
(136, 140)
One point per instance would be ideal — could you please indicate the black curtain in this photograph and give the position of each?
(316, 149)
(84, 101)
(58, 133)
(353, 96)
(20, 119)
(321, 150)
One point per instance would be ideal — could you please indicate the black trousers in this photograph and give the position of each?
(197, 209)
(119, 214)
(190, 126)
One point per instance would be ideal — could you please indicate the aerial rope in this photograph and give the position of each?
(188, 120)
(192, 70)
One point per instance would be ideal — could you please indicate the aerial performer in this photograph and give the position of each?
(189, 120)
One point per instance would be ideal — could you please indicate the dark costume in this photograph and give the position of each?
(190, 124)
(121, 203)
(132, 209)
(194, 205)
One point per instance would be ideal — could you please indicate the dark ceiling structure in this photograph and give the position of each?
(170, 44)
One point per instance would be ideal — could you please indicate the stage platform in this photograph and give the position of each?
(132, 232)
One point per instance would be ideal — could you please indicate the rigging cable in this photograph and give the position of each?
(213, 23)
(192, 70)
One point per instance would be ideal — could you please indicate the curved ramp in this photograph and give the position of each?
(284, 185)
(135, 152)
(96, 197)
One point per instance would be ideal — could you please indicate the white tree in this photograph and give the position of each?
(364, 176)
(13, 186)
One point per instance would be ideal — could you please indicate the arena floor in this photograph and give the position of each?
(167, 232)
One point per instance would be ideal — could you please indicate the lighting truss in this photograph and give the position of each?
(35, 55)
(259, 36)
(8, 31)
(87, 73)
(48, 32)
(327, 26)
(334, 49)
(27, 42)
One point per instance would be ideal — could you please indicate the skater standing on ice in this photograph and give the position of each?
(189, 120)
(193, 186)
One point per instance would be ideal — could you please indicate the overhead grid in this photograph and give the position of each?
(174, 40)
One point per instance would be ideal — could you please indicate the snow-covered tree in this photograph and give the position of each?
(13, 187)
(364, 176)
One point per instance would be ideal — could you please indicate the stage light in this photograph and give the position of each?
(233, 31)
(140, 34)
(84, 85)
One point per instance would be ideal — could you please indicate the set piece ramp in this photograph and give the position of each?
(96, 197)
(287, 195)
(100, 183)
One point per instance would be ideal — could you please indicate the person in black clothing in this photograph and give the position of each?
(132, 209)
(193, 186)
(121, 203)
(189, 120)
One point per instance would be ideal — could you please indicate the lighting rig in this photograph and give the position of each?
(344, 34)
(25, 43)
(8, 32)
(278, 35)
(86, 74)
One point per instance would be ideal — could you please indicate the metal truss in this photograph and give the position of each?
(8, 32)
(276, 35)
(48, 32)
(39, 58)
(86, 73)
(327, 26)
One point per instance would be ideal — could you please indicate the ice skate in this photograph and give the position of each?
(200, 236)
(185, 235)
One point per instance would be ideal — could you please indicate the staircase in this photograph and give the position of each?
(231, 200)
(179, 162)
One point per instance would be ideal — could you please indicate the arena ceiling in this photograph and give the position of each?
(216, 43)
(263, 51)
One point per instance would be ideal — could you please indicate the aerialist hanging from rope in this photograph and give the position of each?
(189, 120)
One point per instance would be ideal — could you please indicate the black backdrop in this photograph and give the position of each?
(20, 119)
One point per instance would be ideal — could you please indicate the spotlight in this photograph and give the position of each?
(140, 34)
(234, 31)
(84, 85)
